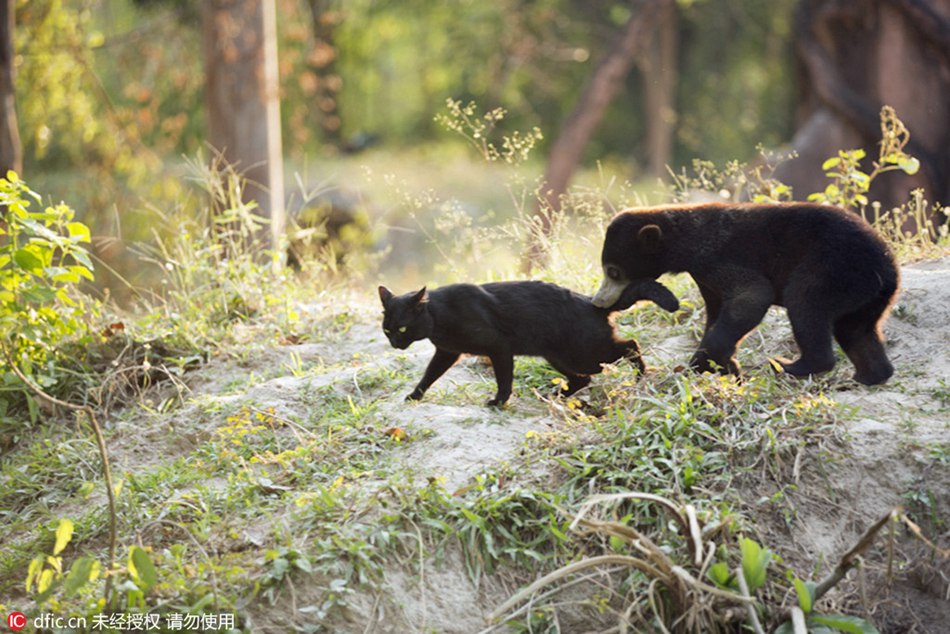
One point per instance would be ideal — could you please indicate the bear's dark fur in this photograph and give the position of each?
(827, 267)
(504, 319)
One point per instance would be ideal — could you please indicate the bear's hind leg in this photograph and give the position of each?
(812, 331)
(713, 305)
(736, 318)
(859, 335)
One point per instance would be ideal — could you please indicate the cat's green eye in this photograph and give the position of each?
(386, 331)
(402, 329)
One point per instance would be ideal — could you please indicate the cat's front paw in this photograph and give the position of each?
(496, 402)
(415, 396)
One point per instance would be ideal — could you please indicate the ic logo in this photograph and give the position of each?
(16, 621)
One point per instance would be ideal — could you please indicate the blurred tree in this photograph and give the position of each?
(241, 99)
(855, 57)
(604, 83)
(322, 67)
(658, 66)
(11, 153)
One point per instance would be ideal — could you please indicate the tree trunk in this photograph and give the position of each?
(242, 100)
(855, 57)
(659, 87)
(322, 61)
(11, 152)
(596, 95)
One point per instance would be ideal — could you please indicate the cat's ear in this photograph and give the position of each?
(385, 295)
(421, 297)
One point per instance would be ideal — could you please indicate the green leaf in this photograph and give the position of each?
(909, 164)
(44, 581)
(719, 574)
(755, 563)
(302, 563)
(806, 594)
(82, 272)
(37, 229)
(142, 569)
(82, 257)
(201, 603)
(78, 232)
(845, 623)
(84, 570)
(61, 274)
(27, 260)
(834, 161)
(38, 295)
(279, 568)
(64, 532)
(859, 177)
(33, 572)
(46, 586)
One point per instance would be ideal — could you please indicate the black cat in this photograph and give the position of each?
(503, 319)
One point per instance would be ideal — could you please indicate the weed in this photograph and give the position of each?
(477, 130)
(735, 181)
(850, 184)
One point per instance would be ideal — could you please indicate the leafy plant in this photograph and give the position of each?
(733, 181)
(49, 583)
(816, 623)
(42, 263)
(850, 184)
(215, 264)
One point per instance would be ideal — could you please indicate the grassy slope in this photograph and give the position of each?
(280, 476)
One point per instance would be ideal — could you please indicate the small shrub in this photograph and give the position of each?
(42, 264)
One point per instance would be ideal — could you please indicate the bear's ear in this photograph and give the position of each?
(649, 237)
(385, 295)
(419, 298)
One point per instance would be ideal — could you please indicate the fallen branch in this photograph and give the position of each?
(850, 559)
(560, 573)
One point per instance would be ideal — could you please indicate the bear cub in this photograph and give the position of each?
(828, 267)
(503, 319)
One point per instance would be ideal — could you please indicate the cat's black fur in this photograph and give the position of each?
(503, 319)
